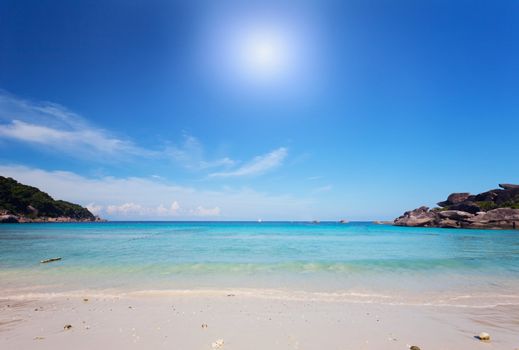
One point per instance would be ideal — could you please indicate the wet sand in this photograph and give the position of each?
(236, 319)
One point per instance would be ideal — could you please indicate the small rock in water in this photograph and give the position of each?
(484, 336)
(67, 326)
(414, 347)
(217, 344)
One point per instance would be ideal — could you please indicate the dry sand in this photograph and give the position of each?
(241, 319)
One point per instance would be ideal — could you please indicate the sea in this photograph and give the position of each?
(354, 262)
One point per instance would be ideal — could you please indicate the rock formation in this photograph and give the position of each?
(494, 209)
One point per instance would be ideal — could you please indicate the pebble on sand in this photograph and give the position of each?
(414, 347)
(67, 326)
(204, 325)
(217, 344)
(484, 336)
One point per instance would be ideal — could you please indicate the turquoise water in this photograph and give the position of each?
(326, 257)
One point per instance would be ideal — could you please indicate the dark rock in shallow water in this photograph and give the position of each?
(494, 209)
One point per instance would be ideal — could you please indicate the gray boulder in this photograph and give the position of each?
(454, 198)
(416, 218)
(509, 186)
(469, 207)
(502, 214)
(455, 214)
(448, 223)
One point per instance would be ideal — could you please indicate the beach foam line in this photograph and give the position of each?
(474, 301)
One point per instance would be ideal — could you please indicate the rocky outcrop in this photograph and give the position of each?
(494, 209)
(509, 186)
(455, 198)
(8, 219)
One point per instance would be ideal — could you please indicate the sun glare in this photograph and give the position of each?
(264, 55)
(261, 54)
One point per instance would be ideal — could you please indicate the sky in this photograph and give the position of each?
(247, 110)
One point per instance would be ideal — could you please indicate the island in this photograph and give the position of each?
(494, 209)
(20, 203)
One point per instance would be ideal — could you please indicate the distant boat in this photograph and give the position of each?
(342, 221)
(260, 221)
(315, 221)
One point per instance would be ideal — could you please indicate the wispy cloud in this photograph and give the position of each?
(50, 126)
(191, 155)
(258, 165)
(72, 140)
(55, 127)
(323, 189)
(151, 198)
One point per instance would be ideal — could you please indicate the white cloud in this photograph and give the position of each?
(258, 165)
(94, 209)
(191, 155)
(125, 209)
(55, 127)
(201, 211)
(146, 198)
(85, 140)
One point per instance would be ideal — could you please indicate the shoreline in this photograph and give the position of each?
(445, 300)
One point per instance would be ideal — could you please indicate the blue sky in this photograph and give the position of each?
(273, 110)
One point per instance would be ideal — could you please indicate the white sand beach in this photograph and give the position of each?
(244, 319)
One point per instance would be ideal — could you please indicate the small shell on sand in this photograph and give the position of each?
(204, 325)
(217, 344)
(414, 347)
(484, 336)
(67, 326)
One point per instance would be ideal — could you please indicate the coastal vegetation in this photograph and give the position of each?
(21, 203)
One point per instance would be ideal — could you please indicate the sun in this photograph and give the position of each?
(264, 54)
(260, 55)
